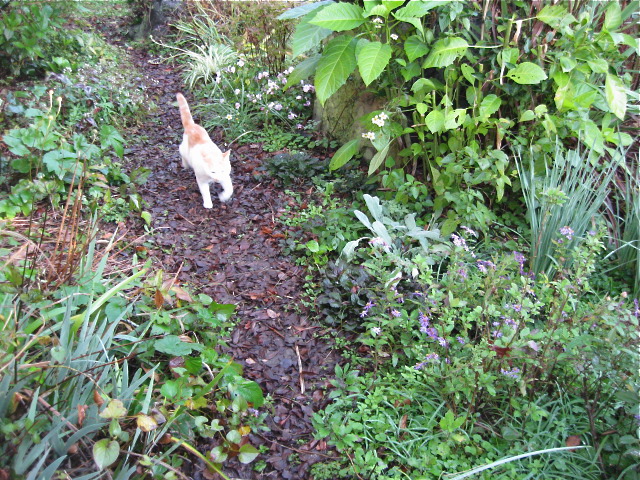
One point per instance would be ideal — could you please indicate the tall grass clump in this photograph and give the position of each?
(562, 200)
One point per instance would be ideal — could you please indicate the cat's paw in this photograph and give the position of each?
(208, 205)
(224, 196)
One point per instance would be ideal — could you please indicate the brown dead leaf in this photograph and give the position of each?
(573, 441)
(82, 409)
(250, 361)
(271, 314)
(146, 423)
(158, 299)
(182, 294)
(97, 398)
(403, 421)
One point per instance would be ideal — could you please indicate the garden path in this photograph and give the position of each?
(232, 253)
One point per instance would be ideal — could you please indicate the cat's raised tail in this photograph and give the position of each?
(185, 113)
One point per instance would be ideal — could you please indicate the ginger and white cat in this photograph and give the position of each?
(204, 157)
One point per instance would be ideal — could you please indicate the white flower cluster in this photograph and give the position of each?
(370, 135)
(379, 119)
(378, 22)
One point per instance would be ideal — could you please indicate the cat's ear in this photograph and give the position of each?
(226, 154)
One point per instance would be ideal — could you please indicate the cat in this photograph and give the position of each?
(204, 157)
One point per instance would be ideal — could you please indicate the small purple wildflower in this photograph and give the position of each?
(375, 331)
(366, 309)
(460, 340)
(432, 333)
(463, 273)
(520, 258)
(443, 342)
(424, 322)
(459, 242)
(513, 373)
(469, 231)
(637, 305)
(567, 232)
(428, 358)
(511, 323)
(497, 333)
(395, 313)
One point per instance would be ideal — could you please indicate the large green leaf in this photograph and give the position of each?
(414, 11)
(307, 36)
(337, 63)
(445, 51)
(302, 10)
(378, 158)
(489, 105)
(414, 47)
(556, 16)
(344, 154)
(339, 17)
(373, 58)
(435, 121)
(303, 71)
(616, 95)
(613, 17)
(527, 73)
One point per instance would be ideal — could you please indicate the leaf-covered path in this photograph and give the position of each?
(232, 254)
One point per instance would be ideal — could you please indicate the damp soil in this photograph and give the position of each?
(233, 253)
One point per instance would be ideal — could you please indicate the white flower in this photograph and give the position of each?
(370, 135)
(278, 106)
(393, 36)
(237, 105)
(377, 20)
(308, 88)
(237, 91)
(291, 116)
(231, 69)
(240, 63)
(229, 117)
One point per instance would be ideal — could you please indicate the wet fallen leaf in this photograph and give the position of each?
(573, 441)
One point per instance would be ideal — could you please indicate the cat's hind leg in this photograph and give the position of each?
(227, 188)
(206, 194)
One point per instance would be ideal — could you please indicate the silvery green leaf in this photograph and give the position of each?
(363, 218)
(382, 232)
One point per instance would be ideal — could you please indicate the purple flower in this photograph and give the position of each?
(459, 242)
(567, 232)
(366, 309)
(424, 322)
(395, 313)
(443, 342)
(513, 373)
(469, 231)
(432, 333)
(375, 331)
(463, 273)
(520, 258)
(497, 333)
(460, 340)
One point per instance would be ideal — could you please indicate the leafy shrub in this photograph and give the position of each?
(456, 107)
(493, 344)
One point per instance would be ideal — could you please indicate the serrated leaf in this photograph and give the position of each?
(307, 36)
(114, 409)
(489, 105)
(105, 452)
(302, 10)
(527, 73)
(344, 154)
(302, 71)
(616, 95)
(414, 47)
(445, 51)
(373, 58)
(339, 17)
(247, 453)
(337, 63)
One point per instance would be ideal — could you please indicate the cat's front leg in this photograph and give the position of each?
(206, 194)
(227, 187)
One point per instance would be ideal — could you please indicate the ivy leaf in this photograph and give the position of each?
(247, 453)
(445, 51)
(373, 58)
(337, 63)
(616, 95)
(414, 47)
(339, 17)
(344, 154)
(105, 452)
(527, 73)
